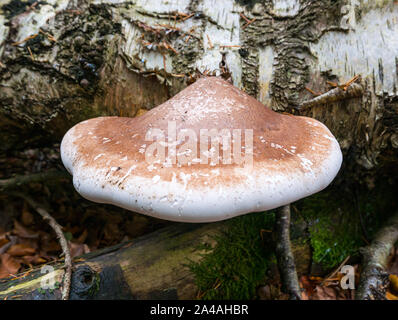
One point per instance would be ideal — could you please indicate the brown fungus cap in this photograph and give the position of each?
(210, 153)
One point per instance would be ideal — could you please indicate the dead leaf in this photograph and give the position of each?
(264, 292)
(304, 296)
(21, 249)
(34, 260)
(308, 286)
(390, 296)
(82, 238)
(26, 217)
(48, 243)
(3, 239)
(9, 265)
(78, 249)
(24, 232)
(328, 293)
(394, 283)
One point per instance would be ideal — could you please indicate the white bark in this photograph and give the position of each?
(273, 49)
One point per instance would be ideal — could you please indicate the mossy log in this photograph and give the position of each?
(374, 277)
(154, 266)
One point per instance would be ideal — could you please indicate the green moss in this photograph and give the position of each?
(96, 285)
(239, 261)
(340, 221)
(334, 230)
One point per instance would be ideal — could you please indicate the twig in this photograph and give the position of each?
(18, 181)
(329, 277)
(31, 54)
(247, 20)
(187, 17)
(230, 46)
(284, 254)
(4, 248)
(34, 4)
(167, 26)
(344, 86)
(210, 43)
(347, 84)
(312, 92)
(169, 46)
(249, 23)
(374, 279)
(49, 36)
(244, 17)
(353, 91)
(164, 62)
(26, 39)
(177, 75)
(62, 241)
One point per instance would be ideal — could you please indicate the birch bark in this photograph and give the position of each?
(63, 61)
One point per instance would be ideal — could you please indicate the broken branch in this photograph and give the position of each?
(284, 254)
(18, 181)
(374, 279)
(61, 238)
(353, 91)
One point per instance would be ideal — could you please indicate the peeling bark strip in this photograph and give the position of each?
(374, 279)
(284, 254)
(101, 57)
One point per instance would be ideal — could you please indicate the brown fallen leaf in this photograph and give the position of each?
(33, 260)
(24, 232)
(82, 238)
(308, 286)
(328, 293)
(390, 296)
(78, 249)
(264, 292)
(3, 239)
(50, 246)
(9, 265)
(21, 249)
(393, 283)
(26, 217)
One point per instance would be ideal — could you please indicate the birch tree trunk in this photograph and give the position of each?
(63, 61)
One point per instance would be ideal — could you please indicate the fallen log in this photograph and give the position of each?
(154, 266)
(374, 277)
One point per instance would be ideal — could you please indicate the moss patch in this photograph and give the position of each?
(238, 263)
(340, 222)
(334, 230)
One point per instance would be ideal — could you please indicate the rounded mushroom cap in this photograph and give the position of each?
(165, 164)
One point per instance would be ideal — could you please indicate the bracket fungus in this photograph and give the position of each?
(210, 153)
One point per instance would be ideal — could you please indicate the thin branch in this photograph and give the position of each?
(61, 238)
(353, 91)
(20, 180)
(331, 276)
(284, 254)
(374, 278)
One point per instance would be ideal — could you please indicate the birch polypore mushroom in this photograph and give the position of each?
(210, 153)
